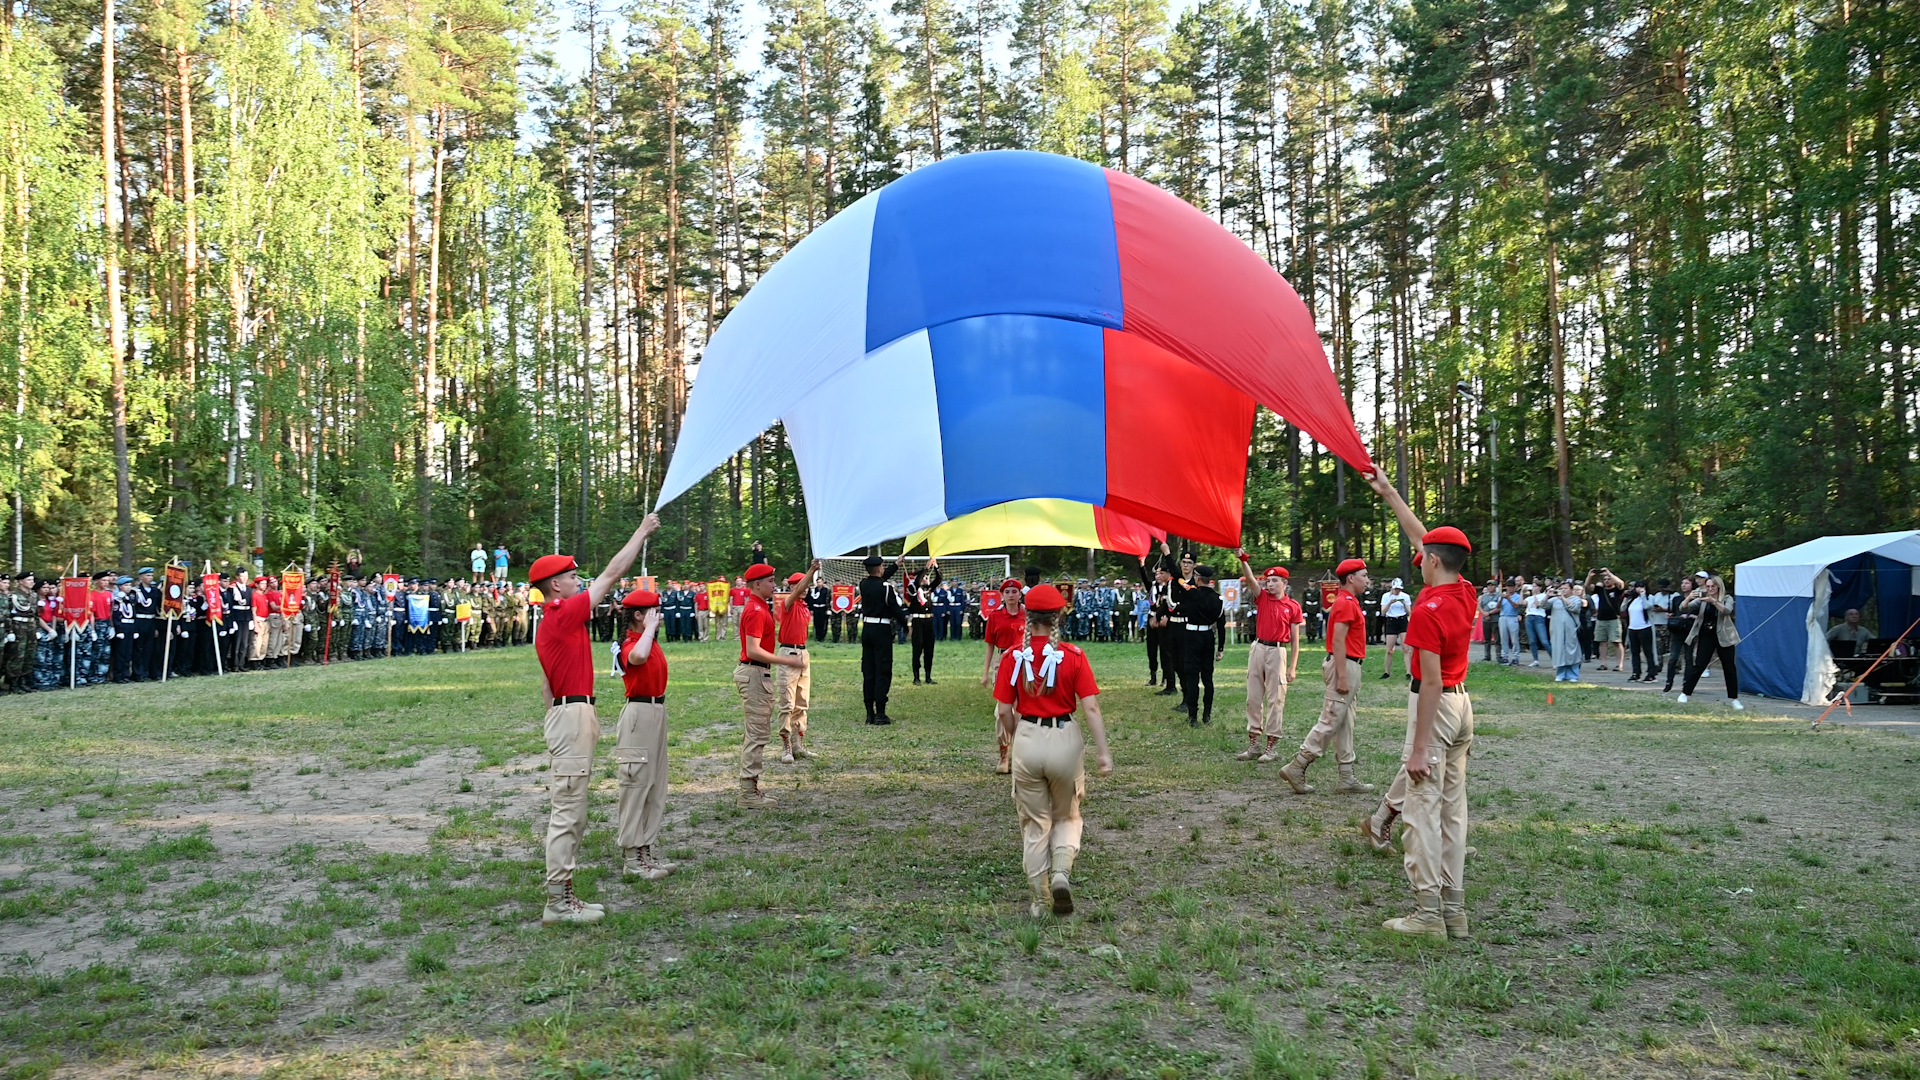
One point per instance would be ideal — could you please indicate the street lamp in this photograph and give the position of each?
(1493, 471)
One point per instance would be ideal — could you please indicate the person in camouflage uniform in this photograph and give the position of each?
(22, 617)
(50, 639)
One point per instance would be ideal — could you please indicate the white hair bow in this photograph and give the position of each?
(1050, 657)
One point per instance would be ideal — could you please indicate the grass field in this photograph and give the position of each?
(335, 872)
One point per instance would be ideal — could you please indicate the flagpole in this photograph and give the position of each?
(73, 650)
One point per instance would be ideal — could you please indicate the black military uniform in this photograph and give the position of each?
(879, 611)
(820, 603)
(920, 618)
(1160, 607)
(149, 649)
(1202, 637)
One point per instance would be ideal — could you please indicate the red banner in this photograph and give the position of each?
(293, 588)
(390, 584)
(210, 590)
(173, 595)
(989, 601)
(1328, 590)
(75, 606)
(843, 598)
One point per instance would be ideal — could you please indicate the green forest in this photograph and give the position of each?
(387, 276)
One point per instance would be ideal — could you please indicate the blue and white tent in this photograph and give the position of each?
(1785, 600)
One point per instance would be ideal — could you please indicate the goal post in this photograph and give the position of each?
(969, 570)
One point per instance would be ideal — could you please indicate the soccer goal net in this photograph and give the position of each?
(968, 570)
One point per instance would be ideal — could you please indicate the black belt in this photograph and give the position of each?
(1271, 644)
(1413, 687)
(661, 700)
(1048, 721)
(786, 645)
(574, 699)
(756, 663)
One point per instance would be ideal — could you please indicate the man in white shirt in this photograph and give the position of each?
(1395, 606)
(1536, 623)
(1640, 631)
(1659, 606)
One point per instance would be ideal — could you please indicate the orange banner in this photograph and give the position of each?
(173, 595)
(293, 589)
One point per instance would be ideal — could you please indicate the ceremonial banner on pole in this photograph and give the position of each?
(293, 588)
(173, 597)
(463, 612)
(648, 583)
(989, 601)
(390, 584)
(74, 605)
(843, 598)
(417, 610)
(1328, 590)
(716, 596)
(210, 589)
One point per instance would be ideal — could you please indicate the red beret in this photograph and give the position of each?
(1275, 571)
(1044, 598)
(641, 598)
(1447, 534)
(759, 570)
(547, 566)
(1013, 583)
(1349, 567)
(796, 577)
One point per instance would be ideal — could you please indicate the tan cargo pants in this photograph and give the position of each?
(1435, 809)
(640, 752)
(296, 632)
(755, 684)
(1266, 689)
(792, 689)
(1049, 779)
(572, 731)
(1335, 728)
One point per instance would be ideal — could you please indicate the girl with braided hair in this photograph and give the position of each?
(1038, 687)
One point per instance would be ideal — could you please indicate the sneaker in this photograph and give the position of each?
(1062, 895)
(1737, 707)
(1536, 663)
(1268, 758)
(801, 753)
(1682, 699)
(786, 758)
(1249, 754)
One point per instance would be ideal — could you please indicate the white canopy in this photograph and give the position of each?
(1796, 570)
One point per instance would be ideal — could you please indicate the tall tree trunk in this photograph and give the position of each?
(432, 381)
(116, 332)
(1561, 462)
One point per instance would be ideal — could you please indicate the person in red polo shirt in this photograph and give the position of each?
(1431, 788)
(1272, 660)
(1002, 631)
(753, 677)
(640, 740)
(792, 686)
(572, 727)
(1346, 648)
(1039, 685)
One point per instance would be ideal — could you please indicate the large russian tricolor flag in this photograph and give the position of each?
(1013, 326)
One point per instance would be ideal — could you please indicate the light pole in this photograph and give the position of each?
(1493, 470)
